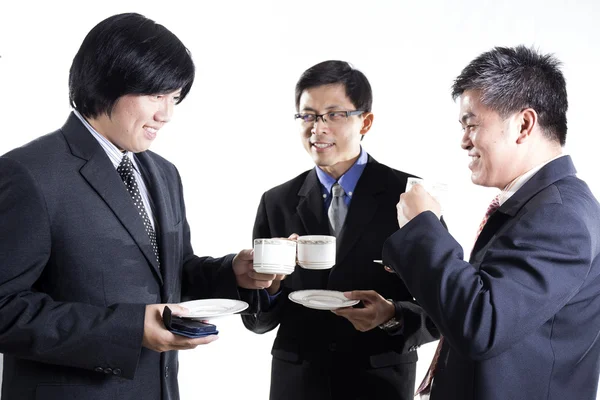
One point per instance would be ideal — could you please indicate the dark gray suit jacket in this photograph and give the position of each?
(77, 269)
(521, 319)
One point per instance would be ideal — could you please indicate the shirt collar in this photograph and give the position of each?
(114, 154)
(347, 181)
(519, 181)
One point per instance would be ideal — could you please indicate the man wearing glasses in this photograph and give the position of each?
(370, 352)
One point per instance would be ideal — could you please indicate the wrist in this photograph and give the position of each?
(274, 288)
(390, 311)
(393, 320)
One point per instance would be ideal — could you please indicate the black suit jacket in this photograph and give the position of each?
(77, 269)
(521, 319)
(304, 334)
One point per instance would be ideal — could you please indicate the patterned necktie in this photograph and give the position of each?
(425, 386)
(494, 205)
(337, 209)
(125, 170)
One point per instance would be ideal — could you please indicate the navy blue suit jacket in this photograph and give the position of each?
(77, 269)
(521, 319)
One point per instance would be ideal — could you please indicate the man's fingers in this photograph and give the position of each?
(261, 277)
(368, 295)
(352, 313)
(184, 343)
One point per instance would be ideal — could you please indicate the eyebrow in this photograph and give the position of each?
(329, 108)
(465, 117)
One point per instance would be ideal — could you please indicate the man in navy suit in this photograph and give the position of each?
(521, 318)
(94, 233)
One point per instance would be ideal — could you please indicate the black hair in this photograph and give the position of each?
(358, 88)
(127, 54)
(512, 79)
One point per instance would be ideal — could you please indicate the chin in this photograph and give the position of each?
(321, 161)
(476, 179)
(482, 182)
(142, 147)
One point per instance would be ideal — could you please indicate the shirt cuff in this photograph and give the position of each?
(266, 299)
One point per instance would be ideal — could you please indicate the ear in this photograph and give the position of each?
(367, 123)
(527, 120)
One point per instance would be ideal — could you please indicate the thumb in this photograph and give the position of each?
(360, 295)
(293, 236)
(177, 309)
(246, 254)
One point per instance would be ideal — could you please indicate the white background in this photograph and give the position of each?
(234, 136)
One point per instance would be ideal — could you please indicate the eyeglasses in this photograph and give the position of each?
(333, 117)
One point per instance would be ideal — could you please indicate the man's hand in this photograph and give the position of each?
(158, 338)
(245, 275)
(377, 310)
(414, 202)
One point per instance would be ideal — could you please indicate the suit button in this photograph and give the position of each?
(107, 370)
(116, 371)
(166, 372)
(99, 369)
(332, 347)
(412, 348)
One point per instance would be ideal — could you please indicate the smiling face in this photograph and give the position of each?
(333, 145)
(491, 141)
(136, 119)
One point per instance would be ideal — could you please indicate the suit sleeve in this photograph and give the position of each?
(34, 326)
(526, 276)
(417, 328)
(204, 277)
(264, 319)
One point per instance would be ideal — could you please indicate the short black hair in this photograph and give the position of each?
(358, 88)
(127, 54)
(514, 78)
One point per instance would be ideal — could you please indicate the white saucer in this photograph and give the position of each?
(321, 299)
(212, 308)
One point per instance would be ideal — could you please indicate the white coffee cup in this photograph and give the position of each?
(274, 256)
(316, 251)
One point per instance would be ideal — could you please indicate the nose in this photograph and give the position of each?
(165, 110)
(319, 126)
(466, 143)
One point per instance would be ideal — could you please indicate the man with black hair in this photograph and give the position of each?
(94, 236)
(366, 353)
(521, 318)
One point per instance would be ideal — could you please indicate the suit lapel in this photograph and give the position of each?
(310, 209)
(310, 206)
(157, 188)
(549, 174)
(362, 208)
(101, 175)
